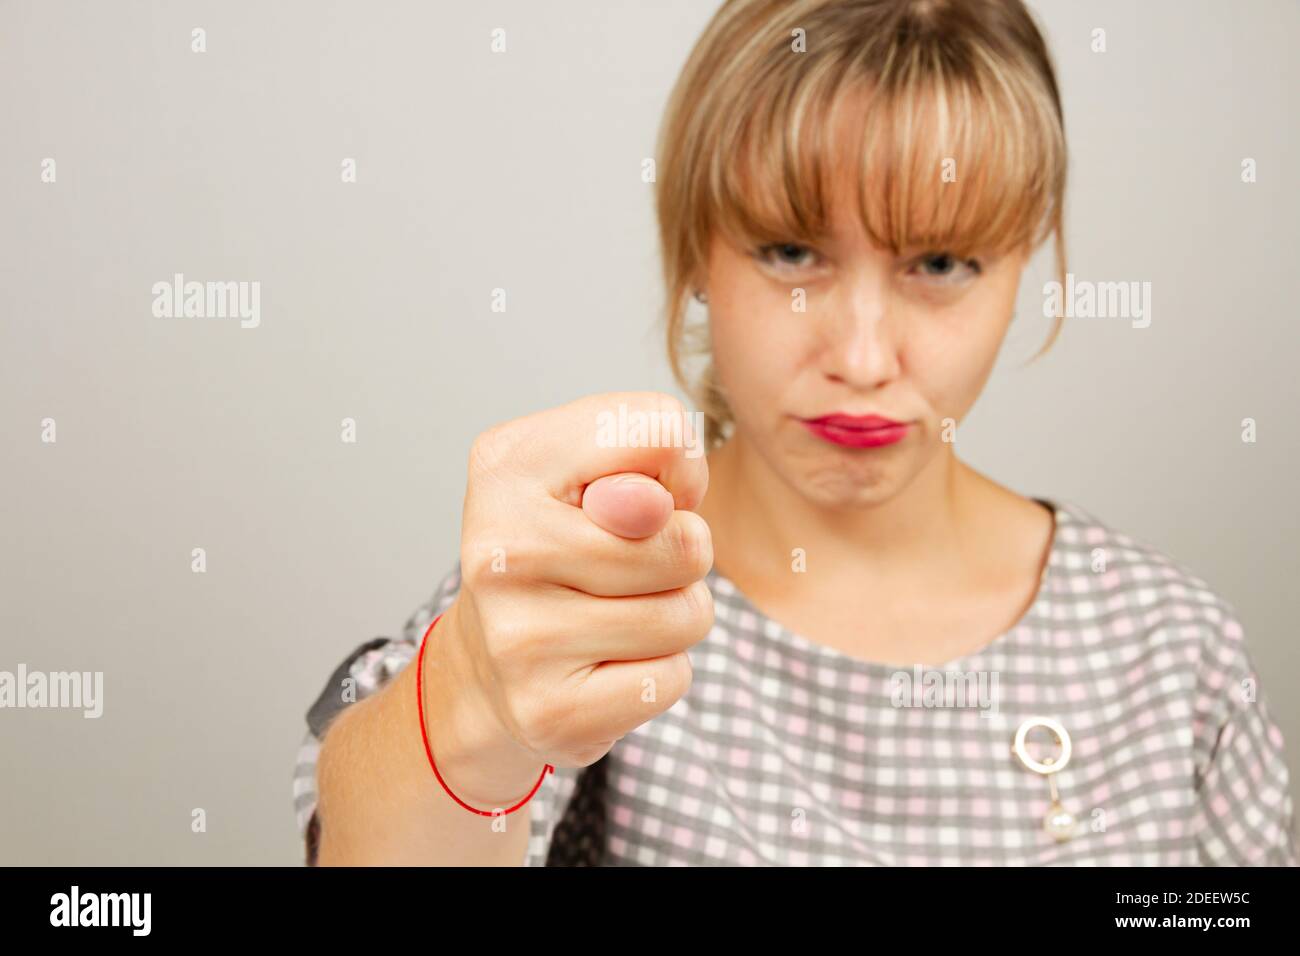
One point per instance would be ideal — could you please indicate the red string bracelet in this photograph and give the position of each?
(424, 733)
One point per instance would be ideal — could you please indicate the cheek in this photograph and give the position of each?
(754, 350)
(953, 357)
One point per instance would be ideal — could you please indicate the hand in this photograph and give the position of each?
(582, 586)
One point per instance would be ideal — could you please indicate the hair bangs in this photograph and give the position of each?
(921, 167)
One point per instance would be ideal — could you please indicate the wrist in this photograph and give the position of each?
(476, 757)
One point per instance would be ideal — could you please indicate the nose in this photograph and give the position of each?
(861, 341)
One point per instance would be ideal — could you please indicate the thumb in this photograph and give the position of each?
(630, 505)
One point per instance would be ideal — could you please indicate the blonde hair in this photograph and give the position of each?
(748, 144)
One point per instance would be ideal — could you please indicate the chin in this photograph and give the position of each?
(846, 481)
(834, 491)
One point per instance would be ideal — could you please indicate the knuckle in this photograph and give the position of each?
(587, 755)
(664, 402)
(493, 449)
(693, 547)
(678, 676)
(643, 400)
(696, 601)
(682, 542)
(485, 450)
(661, 405)
(704, 619)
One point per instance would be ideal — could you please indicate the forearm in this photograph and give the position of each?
(379, 802)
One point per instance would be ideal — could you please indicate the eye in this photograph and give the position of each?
(786, 255)
(944, 267)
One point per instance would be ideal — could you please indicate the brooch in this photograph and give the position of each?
(1058, 821)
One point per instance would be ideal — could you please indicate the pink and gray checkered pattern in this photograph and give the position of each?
(785, 752)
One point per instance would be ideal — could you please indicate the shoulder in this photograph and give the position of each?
(1169, 643)
(1152, 606)
(1098, 560)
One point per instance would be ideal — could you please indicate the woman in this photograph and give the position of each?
(892, 658)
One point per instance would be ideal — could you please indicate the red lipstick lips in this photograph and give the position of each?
(856, 431)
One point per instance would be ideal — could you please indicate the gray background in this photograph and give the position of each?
(522, 171)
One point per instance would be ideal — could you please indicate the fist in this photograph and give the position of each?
(582, 575)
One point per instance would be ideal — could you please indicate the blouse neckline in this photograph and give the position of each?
(833, 657)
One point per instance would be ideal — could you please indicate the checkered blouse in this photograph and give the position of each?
(785, 752)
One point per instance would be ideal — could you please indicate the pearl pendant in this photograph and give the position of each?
(1059, 823)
